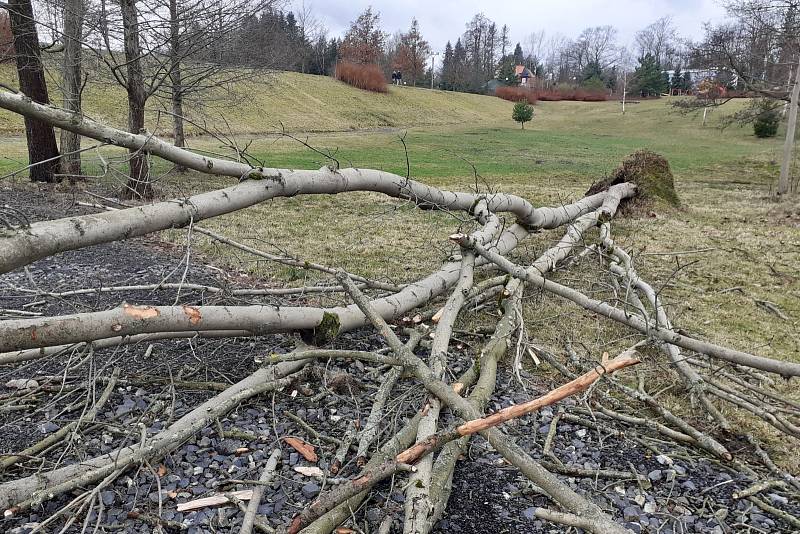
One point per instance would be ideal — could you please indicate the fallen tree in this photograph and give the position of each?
(491, 237)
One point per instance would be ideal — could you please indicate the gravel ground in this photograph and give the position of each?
(683, 492)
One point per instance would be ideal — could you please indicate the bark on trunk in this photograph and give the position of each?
(71, 89)
(138, 185)
(40, 135)
(44, 239)
(788, 146)
(175, 76)
(132, 320)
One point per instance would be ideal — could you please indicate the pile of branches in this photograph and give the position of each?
(426, 448)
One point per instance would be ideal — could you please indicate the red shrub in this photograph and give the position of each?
(552, 95)
(586, 95)
(559, 94)
(516, 94)
(368, 76)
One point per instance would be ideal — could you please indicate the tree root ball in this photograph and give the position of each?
(652, 176)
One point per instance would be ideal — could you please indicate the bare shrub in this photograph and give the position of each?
(368, 77)
(516, 94)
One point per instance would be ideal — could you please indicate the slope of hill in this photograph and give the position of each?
(299, 102)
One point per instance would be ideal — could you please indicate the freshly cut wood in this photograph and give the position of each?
(305, 450)
(560, 492)
(214, 500)
(578, 385)
(309, 471)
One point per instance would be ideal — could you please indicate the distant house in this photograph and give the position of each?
(699, 75)
(523, 74)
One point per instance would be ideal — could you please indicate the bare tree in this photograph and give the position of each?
(176, 79)
(504, 41)
(759, 49)
(659, 39)
(597, 45)
(6, 38)
(41, 137)
(72, 82)
(173, 50)
(535, 48)
(139, 184)
(311, 29)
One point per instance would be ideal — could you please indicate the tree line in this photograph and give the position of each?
(174, 53)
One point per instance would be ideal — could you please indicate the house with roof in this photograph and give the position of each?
(524, 75)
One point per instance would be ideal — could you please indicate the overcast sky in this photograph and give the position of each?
(443, 20)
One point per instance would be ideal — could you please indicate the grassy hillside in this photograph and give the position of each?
(301, 102)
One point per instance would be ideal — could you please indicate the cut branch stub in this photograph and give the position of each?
(327, 329)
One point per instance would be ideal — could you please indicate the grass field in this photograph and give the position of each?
(722, 255)
(268, 102)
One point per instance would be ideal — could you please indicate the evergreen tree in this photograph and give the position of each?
(592, 70)
(460, 81)
(648, 79)
(687, 81)
(519, 59)
(506, 74)
(677, 79)
(522, 113)
(446, 81)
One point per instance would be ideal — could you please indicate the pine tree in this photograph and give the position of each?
(522, 113)
(447, 68)
(518, 57)
(460, 80)
(506, 74)
(648, 79)
(677, 79)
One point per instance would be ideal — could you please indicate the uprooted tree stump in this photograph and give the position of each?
(655, 185)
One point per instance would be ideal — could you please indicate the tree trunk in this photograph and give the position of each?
(40, 135)
(175, 76)
(138, 185)
(73, 33)
(788, 146)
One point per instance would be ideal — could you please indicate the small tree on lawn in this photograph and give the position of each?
(523, 112)
(767, 119)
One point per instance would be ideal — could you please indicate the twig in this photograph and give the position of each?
(258, 492)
